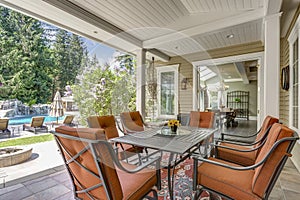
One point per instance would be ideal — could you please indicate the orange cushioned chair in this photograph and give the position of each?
(244, 154)
(252, 182)
(108, 123)
(96, 171)
(201, 119)
(132, 122)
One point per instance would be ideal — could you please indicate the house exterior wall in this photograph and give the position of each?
(284, 95)
(186, 68)
(284, 61)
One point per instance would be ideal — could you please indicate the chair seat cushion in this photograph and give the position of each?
(220, 179)
(137, 185)
(242, 158)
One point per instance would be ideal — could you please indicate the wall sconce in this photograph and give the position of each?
(184, 83)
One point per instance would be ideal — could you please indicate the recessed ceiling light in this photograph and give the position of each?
(230, 36)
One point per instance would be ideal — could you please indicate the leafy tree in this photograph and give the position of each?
(23, 57)
(104, 90)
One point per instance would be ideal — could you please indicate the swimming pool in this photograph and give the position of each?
(27, 119)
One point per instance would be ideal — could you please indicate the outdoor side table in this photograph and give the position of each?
(15, 128)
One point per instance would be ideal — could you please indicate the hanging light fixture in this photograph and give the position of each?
(152, 80)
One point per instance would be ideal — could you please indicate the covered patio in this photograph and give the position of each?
(178, 44)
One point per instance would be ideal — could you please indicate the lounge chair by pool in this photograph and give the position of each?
(37, 123)
(4, 126)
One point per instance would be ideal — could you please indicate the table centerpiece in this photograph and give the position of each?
(173, 124)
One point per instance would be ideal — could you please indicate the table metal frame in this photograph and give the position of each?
(183, 144)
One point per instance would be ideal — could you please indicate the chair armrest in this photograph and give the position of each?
(199, 158)
(239, 150)
(237, 136)
(238, 143)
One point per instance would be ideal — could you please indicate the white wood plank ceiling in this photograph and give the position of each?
(174, 27)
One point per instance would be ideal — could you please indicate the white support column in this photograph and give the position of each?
(271, 65)
(195, 89)
(141, 81)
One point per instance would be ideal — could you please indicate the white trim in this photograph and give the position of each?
(229, 59)
(294, 35)
(195, 89)
(168, 68)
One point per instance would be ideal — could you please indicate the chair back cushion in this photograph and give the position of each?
(132, 121)
(93, 122)
(37, 121)
(264, 173)
(202, 119)
(81, 177)
(68, 119)
(3, 123)
(268, 121)
(107, 123)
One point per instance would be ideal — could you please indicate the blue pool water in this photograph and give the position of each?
(27, 119)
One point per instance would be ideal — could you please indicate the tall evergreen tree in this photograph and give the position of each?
(23, 57)
(68, 54)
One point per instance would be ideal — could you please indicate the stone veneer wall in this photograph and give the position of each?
(11, 108)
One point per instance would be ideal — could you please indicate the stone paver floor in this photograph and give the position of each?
(44, 178)
(58, 186)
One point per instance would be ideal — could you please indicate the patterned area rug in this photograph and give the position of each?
(183, 189)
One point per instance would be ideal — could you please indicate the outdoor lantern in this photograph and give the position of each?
(184, 83)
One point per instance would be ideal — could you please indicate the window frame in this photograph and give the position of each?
(295, 35)
(160, 70)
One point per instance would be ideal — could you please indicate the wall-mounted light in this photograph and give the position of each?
(184, 83)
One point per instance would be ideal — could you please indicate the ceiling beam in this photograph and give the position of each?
(159, 55)
(272, 7)
(205, 28)
(240, 67)
(84, 15)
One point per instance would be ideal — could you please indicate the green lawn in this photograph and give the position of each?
(27, 140)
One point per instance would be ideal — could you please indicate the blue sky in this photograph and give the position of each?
(103, 52)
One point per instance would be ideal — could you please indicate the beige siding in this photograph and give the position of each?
(284, 61)
(284, 95)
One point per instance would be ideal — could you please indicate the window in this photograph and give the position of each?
(294, 76)
(167, 78)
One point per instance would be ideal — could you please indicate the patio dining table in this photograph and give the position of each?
(181, 145)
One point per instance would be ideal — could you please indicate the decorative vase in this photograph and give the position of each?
(173, 129)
